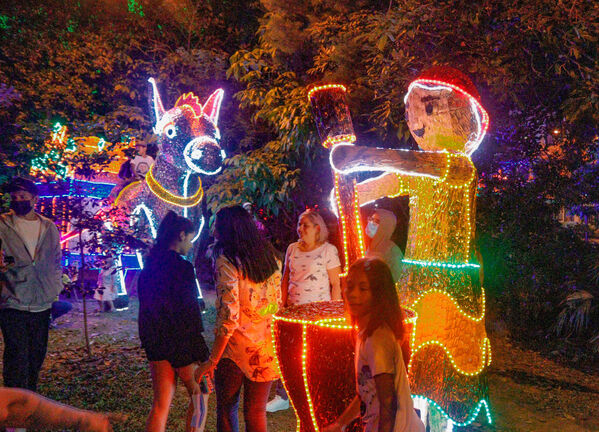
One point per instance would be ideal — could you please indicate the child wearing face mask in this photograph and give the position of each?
(381, 225)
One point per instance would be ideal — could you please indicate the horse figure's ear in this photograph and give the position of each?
(212, 106)
(157, 108)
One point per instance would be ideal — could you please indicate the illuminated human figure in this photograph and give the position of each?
(450, 350)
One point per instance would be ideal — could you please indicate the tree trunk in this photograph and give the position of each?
(88, 347)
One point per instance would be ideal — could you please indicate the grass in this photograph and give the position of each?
(528, 392)
(117, 378)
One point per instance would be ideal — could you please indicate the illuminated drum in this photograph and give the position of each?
(315, 350)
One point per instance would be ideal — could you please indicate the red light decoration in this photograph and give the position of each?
(315, 350)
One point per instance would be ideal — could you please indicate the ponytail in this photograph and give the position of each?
(171, 226)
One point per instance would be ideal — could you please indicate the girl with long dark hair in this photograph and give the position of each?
(384, 400)
(248, 293)
(170, 321)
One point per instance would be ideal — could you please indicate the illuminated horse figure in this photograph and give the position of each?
(188, 146)
(440, 281)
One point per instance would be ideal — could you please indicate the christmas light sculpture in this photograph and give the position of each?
(314, 347)
(440, 281)
(188, 144)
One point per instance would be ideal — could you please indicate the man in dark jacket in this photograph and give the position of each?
(31, 273)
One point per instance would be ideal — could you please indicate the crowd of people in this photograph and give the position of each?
(252, 282)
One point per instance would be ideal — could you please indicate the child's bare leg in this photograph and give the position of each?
(186, 374)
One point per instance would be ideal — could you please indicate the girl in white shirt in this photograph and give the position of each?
(384, 401)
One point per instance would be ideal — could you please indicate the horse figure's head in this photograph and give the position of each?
(189, 135)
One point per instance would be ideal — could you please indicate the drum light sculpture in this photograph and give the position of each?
(315, 350)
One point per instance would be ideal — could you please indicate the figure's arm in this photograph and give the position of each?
(350, 413)
(349, 158)
(385, 392)
(23, 408)
(386, 185)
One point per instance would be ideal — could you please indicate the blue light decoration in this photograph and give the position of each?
(60, 149)
(188, 143)
(75, 187)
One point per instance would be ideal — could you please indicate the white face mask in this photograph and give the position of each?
(371, 229)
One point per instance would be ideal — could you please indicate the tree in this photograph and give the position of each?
(536, 65)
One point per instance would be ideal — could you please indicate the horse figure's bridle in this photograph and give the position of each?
(169, 197)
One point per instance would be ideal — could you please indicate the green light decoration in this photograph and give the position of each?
(469, 420)
(71, 145)
(135, 7)
(61, 170)
(440, 264)
(4, 22)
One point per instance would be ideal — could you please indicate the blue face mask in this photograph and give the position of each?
(371, 229)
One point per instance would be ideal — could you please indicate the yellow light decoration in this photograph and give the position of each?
(358, 221)
(333, 141)
(158, 190)
(59, 136)
(485, 355)
(126, 190)
(305, 375)
(434, 309)
(326, 87)
(343, 225)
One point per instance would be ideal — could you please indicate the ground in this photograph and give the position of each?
(527, 391)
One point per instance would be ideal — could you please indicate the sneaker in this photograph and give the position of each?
(277, 404)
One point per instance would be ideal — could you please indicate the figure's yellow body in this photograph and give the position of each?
(440, 281)
(449, 303)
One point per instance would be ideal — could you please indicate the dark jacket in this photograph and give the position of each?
(30, 285)
(169, 310)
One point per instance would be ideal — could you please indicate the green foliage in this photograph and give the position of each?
(536, 66)
(87, 63)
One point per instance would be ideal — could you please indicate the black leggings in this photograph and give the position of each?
(228, 380)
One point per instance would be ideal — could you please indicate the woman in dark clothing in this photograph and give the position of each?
(170, 322)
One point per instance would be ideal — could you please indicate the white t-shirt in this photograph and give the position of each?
(108, 279)
(29, 232)
(378, 354)
(308, 277)
(141, 165)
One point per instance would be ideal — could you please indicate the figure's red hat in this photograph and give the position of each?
(458, 81)
(452, 77)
